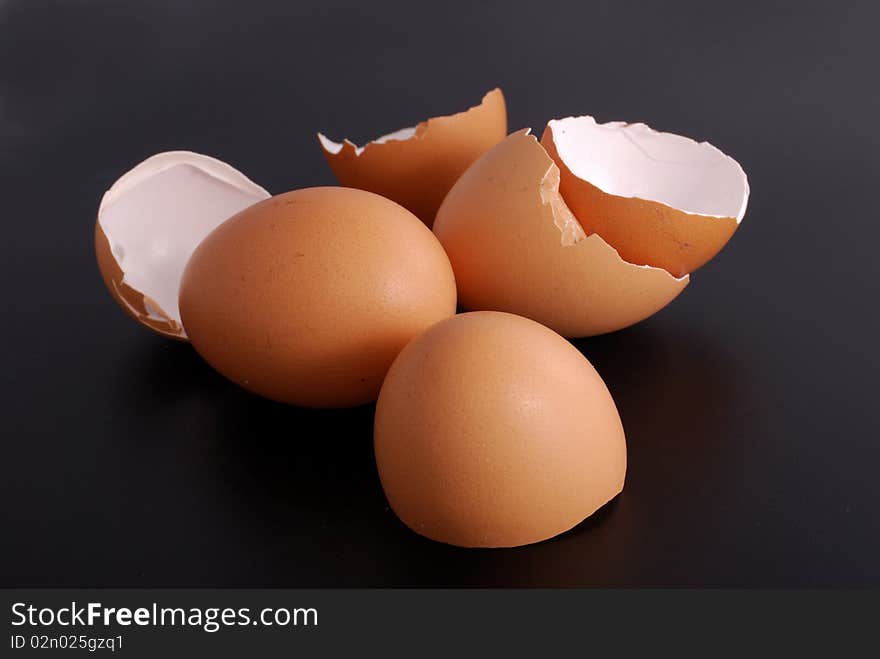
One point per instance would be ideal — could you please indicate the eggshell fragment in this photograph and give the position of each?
(660, 199)
(307, 297)
(493, 431)
(515, 246)
(150, 221)
(416, 166)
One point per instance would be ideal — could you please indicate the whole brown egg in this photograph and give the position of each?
(308, 296)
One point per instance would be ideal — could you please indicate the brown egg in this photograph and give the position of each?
(150, 221)
(416, 166)
(515, 246)
(307, 297)
(493, 431)
(660, 199)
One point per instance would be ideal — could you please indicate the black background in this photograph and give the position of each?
(750, 403)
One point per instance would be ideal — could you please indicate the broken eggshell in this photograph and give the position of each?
(660, 199)
(516, 246)
(417, 166)
(493, 431)
(152, 219)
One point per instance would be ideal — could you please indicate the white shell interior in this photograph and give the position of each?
(335, 147)
(633, 160)
(157, 214)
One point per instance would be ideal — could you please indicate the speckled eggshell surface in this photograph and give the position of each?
(307, 297)
(493, 431)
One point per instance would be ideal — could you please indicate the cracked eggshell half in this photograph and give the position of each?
(660, 199)
(515, 246)
(417, 166)
(151, 220)
(493, 431)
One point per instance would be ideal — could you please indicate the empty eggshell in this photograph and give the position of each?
(515, 246)
(493, 431)
(416, 166)
(150, 221)
(660, 199)
(307, 297)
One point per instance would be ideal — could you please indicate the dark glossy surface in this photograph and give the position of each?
(750, 403)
